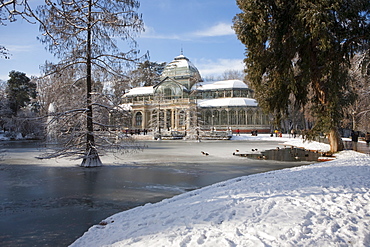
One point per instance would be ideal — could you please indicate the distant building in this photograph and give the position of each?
(182, 101)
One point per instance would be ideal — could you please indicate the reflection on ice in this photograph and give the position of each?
(285, 154)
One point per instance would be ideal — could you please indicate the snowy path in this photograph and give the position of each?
(325, 204)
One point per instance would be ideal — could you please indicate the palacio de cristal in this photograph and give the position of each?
(181, 102)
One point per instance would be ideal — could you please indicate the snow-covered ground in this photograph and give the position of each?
(324, 204)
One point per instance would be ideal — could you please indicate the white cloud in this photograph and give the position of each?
(220, 29)
(19, 48)
(150, 33)
(217, 67)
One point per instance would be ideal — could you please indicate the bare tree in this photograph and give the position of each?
(193, 121)
(84, 35)
(358, 113)
(232, 74)
(9, 9)
(4, 52)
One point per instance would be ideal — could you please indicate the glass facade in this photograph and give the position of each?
(174, 103)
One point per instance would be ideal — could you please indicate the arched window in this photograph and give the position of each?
(216, 117)
(182, 118)
(236, 93)
(224, 118)
(138, 119)
(208, 117)
(250, 117)
(168, 93)
(258, 118)
(241, 117)
(168, 118)
(233, 117)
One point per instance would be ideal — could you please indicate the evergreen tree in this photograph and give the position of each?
(147, 74)
(302, 48)
(20, 90)
(82, 33)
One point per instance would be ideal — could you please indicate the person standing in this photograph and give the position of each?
(354, 136)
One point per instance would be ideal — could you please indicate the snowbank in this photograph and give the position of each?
(325, 204)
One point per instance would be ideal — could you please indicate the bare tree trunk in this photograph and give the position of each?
(92, 157)
(336, 143)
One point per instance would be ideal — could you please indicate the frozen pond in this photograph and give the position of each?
(51, 203)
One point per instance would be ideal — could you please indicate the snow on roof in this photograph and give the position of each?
(180, 66)
(221, 102)
(182, 61)
(140, 91)
(214, 85)
(125, 107)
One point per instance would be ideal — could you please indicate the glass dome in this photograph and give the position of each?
(183, 71)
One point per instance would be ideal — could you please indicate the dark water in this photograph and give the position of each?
(285, 154)
(52, 204)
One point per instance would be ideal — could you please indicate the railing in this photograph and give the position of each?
(161, 101)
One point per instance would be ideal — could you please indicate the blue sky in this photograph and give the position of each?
(202, 28)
